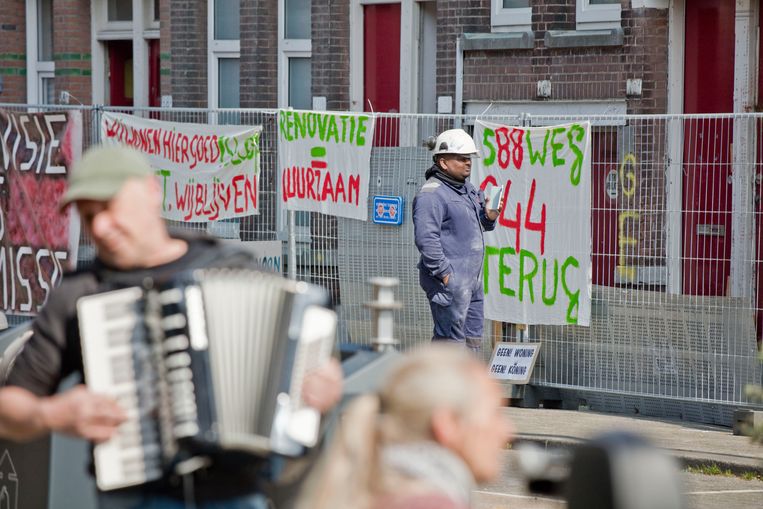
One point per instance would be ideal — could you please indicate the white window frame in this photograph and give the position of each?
(35, 69)
(44, 74)
(515, 19)
(410, 15)
(409, 53)
(596, 16)
(288, 48)
(138, 30)
(150, 25)
(217, 49)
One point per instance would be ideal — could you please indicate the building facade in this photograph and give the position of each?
(603, 58)
(406, 56)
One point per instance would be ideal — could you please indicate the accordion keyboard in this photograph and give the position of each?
(133, 455)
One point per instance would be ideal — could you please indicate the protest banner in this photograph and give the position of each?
(207, 172)
(324, 162)
(537, 266)
(37, 240)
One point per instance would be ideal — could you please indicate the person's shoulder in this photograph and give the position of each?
(212, 252)
(431, 185)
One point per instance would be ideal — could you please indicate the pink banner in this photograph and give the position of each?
(37, 240)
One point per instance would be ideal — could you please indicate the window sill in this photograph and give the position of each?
(498, 41)
(584, 38)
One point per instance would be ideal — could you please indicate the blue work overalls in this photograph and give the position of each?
(448, 224)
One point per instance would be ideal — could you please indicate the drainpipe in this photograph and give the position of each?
(459, 83)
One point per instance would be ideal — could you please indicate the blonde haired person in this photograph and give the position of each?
(435, 429)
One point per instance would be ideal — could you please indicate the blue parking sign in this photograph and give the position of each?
(388, 210)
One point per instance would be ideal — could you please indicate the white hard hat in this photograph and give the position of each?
(454, 141)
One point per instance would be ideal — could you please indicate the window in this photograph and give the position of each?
(299, 83)
(295, 52)
(224, 61)
(594, 14)
(47, 88)
(510, 15)
(119, 10)
(39, 40)
(228, 79)
(45, 30)
(227, 26)
(297, 19)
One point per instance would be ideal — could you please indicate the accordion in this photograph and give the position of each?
(212, 362)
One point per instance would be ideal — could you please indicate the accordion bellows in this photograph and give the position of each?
(212, 362)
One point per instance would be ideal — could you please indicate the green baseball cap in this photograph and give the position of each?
(102, 171)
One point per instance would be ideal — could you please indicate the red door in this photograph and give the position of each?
(120, 73)
(708, 88)
(381, 68)
(605, 188)
(154, 76)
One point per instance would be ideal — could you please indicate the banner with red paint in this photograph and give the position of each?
(207, 172)
(537, 266)
(324, 161)
(38, 242)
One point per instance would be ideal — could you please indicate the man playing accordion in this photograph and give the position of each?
(119, 202)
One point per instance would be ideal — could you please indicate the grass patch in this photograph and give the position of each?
(713, 469)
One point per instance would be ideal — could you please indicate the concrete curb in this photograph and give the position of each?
(737, 466)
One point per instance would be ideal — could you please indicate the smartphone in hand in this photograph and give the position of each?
(494, 195)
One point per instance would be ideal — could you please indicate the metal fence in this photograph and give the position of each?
(676, 243)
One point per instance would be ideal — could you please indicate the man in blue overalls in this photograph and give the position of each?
(449, 216)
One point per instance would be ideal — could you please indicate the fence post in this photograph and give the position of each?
(292, 245)
(674, 203)
(95, 124)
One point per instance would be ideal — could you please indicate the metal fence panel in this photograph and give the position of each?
(676, 304)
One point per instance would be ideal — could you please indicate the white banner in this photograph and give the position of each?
(324, 162)
(538, 258)
(207, 172)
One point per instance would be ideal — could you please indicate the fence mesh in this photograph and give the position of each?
(676, 243)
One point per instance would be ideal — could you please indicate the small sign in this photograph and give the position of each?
(711, 230)
(611, 184)
(388, 210)
(267, 252)
(514, 362)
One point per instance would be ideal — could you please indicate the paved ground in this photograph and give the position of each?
(691, 444)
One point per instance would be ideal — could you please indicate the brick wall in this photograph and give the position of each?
(331, 52)
(455, 17)
(580, 73)
(259, 53)
(71, 48)
(584, 73)
(188, 53)
(646, 41)
(12, 51)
